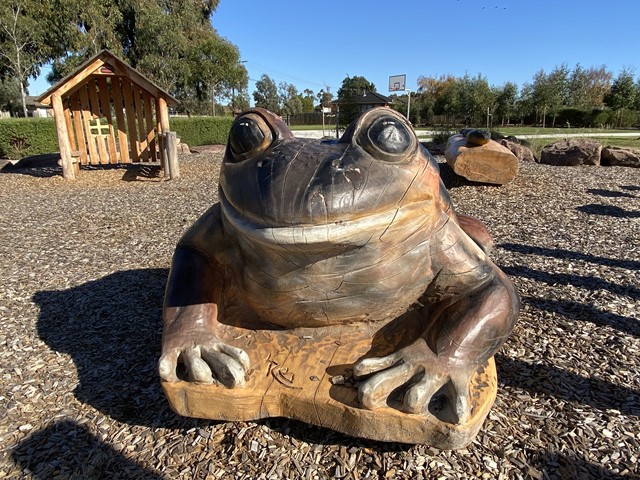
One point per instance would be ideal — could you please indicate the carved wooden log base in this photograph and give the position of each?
(304, 374)
(488, 163)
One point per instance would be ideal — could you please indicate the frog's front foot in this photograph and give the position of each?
(420, 374)
(206, 359)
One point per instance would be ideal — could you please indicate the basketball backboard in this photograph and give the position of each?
(397, 83)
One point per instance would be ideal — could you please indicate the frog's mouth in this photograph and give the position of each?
(349, 232)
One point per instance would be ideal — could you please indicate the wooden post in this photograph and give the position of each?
(165, 156)
(162, 114)
(68, 171)
(172, 155)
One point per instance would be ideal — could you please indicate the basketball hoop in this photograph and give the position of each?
(398, 83)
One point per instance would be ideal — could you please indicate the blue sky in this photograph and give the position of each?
(313, 44)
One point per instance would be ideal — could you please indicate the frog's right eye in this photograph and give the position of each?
(249, 136)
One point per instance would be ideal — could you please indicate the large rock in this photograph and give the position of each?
(620, 157)
(571, 152)
(523, 152)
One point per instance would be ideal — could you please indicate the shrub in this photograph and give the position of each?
(22, 137)
(202, 130)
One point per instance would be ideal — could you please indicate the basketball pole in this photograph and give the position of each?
(408, 103)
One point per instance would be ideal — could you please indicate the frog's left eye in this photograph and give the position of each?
(387, 138)
(249, 136)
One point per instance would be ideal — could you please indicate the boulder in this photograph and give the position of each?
(523, 152)
(620, 157)
(572, 152)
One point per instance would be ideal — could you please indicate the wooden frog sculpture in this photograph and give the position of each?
(336, 259)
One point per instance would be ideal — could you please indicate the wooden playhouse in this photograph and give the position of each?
(108, 113)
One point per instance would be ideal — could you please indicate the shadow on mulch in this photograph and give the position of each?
(68, 450)
(42, 166)
(45, 166)
(112, 328)
(609, 193)
(564, 254)
(608, 210)
(547, 379)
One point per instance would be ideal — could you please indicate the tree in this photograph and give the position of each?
(622, 95)
(350, 88)
(220, 72)
(266, 94)
(307, 101)
(542, 95)
(324, 98)
(290, 99)
(22, 49)
(558, 90)
(475, 98)
(9, 94)
(436, 96)
(170, 41)
(506, 98)
(525, 104)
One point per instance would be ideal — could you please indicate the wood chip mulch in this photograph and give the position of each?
(83, 266)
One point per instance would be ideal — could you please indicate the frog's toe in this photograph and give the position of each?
(167, 366)
(462, 400)
(375, 391)
(418, 395)
(367, 366)
(228, 364)
(199, 370)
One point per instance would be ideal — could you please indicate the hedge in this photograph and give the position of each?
(202, 130)
(22, 137)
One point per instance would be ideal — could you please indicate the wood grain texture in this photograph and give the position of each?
(488, 163)
(105, 108)
(291, 377)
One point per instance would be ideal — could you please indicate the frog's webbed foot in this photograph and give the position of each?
(420, 377)
(206, 360)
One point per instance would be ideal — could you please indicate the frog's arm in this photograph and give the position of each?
(190, 313)
(471, 309)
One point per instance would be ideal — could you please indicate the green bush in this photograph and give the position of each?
(202, 130)
(23, 137)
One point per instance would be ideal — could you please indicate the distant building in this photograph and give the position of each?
(36, 109)
(364, 102)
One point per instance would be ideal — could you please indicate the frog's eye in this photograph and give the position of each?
(249, 136)
(387, 138)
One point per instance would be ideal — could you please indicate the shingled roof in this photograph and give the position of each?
(368, 98)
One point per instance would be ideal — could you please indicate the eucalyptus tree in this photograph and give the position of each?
(23, 46)
(266, 94)
(170, 41)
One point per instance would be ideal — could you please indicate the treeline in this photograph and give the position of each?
(170, 41)
(577, 97)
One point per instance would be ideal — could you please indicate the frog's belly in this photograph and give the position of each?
(375, 282)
